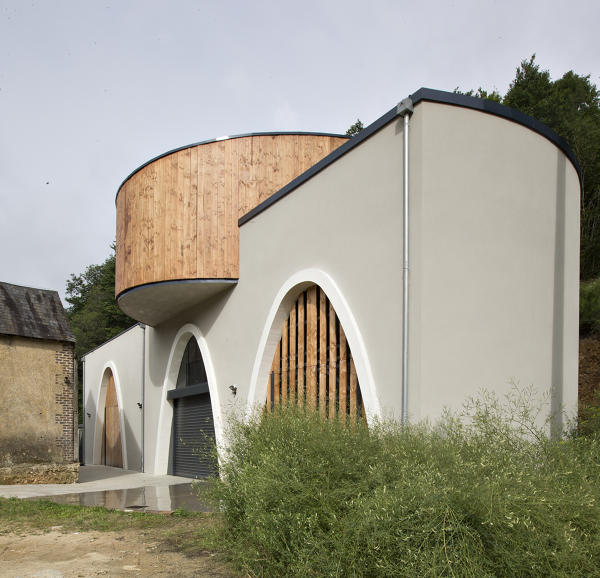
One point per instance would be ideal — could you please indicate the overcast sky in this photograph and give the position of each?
(90, 90)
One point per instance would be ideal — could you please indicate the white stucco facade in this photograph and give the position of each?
(494, 231)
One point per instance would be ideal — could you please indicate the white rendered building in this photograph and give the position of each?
(393, 274)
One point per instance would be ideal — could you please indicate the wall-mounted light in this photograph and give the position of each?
(88, 414)
(139, 405)
(233, 389)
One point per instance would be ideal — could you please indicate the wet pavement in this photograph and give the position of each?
(145, 499)
(118, 489)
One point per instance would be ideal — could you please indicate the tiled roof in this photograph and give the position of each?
(29, 312)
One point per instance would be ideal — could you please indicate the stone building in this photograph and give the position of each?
(38, 388)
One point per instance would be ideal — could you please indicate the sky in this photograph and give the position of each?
(90, 90)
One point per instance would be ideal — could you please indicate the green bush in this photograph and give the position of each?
(589, 307)
(486, 496)
(589, 417)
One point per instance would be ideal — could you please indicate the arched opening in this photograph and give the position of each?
(111, 453)
(313, 364)
(193, 430)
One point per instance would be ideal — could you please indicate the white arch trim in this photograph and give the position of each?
(165, 418)
(100, 406)
(271, 335)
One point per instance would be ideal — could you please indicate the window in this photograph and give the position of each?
(191, 371)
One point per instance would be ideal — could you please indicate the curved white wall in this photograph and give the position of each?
(494, 275)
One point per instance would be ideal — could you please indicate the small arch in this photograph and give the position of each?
(165, 419)
(109, 370)
(271, 335)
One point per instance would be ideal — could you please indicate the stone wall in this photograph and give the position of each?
(38, 409)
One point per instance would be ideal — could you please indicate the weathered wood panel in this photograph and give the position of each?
(314, 354)
(343, 372)
(322, 354)
(311, 344)
(300, 360)
(293, 345)
(285, 361)
(332, 362)
(177, 216)
(111, 443)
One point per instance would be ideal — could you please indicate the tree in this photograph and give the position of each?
(571, 107)
(481, 93)
(355, 128)
(93, 311)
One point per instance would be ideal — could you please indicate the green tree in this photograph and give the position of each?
(355, 128)
(93, 311)
(481, 93)
(570, 106)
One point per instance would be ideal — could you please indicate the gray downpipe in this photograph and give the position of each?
(143, 393)
(405, 109)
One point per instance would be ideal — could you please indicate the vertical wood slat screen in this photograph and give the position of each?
(313, 364)
(111, 435)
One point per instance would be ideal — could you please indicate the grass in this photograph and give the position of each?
(187, 532)
(483, 494)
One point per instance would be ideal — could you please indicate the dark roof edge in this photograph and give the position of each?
(231, 280)
(38, 338)
(317, 168)
(142, 325)
(491, 107)
(429, 95)
(218, 139)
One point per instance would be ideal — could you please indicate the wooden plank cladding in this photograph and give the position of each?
(177, 216)
(313, 364)
(111, 435)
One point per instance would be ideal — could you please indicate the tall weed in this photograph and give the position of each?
(490, 495)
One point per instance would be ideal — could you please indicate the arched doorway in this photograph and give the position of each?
(193, 429)
(112, 452)
(313, 364)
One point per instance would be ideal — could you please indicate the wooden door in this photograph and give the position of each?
(111, 439)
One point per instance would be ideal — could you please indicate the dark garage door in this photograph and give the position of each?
(193, 437)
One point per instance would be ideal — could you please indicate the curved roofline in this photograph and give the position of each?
(497, 109)
(220, 138)
(199, 281)
(428, 95)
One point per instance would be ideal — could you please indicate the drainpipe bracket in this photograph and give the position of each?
(404, 107)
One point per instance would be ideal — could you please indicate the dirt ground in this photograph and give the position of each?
(126, 553)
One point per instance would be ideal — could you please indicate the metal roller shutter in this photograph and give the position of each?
(193, 437)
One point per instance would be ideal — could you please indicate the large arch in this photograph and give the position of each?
(271, 334)
(165, 418)
(108, 370)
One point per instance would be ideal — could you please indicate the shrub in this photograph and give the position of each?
(303, 496)
(589, 416)
(589, 307)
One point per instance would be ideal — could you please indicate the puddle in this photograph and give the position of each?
(145, 499)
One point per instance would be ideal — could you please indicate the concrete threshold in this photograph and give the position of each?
(118, 489)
